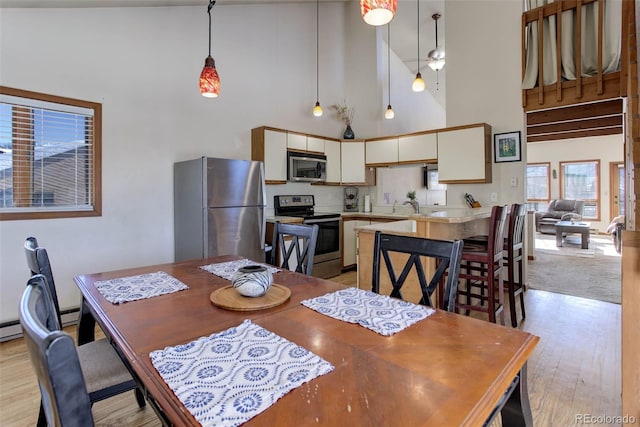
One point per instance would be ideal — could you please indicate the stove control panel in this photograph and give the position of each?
(294, 201)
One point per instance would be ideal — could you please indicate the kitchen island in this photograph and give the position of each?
(446, 224)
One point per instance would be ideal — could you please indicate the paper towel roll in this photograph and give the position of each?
(367, 203)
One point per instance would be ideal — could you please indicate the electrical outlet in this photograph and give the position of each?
(514, 181)
(494, 197)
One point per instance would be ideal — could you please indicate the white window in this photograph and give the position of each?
(49, 156)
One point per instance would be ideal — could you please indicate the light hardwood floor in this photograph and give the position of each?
(574, 370)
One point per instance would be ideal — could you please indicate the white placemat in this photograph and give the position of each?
(229, 377)
(124, 289)
(380, 313)
(227, 269)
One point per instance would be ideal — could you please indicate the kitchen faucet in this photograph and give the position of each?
(414, 203)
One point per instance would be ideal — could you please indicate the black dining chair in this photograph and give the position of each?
(295, 246)
(38, 262)
(65, 399)
(447, 255)
(99, 359)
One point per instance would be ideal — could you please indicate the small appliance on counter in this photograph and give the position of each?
(351, 199)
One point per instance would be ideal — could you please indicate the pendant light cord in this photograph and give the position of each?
(418, 13)
(389, 59)
(317, 47)
(211, 3)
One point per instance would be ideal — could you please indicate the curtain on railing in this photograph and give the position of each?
(611, 42)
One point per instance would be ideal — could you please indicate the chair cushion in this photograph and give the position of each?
(101, 366)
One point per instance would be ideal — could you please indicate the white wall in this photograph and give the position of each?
(483, 85)
(607, 149)
(143, 65)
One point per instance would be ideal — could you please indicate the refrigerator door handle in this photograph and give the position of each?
(263, 220)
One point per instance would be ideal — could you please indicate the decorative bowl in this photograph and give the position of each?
(252, 280)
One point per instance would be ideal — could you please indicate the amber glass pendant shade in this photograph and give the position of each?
(378, 12)
(209, 79)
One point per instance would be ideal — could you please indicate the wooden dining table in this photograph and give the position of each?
(447, 369)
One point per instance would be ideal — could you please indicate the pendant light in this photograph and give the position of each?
(418, 84)
(435, 58)
(317, 110)
(378, 12)
(209, 78)
(389, 114)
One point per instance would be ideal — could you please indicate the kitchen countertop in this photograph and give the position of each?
(402, 226)
(284, 219)
(445, 215)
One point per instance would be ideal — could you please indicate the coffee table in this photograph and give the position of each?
(577, 227)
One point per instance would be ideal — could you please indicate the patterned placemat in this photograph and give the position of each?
(227, 269)
(380, 313)
(229, 377)
(124, 289)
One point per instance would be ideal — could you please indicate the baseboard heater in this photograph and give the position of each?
(11, 330)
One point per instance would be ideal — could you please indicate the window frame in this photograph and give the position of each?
(540, 201)
(96, 158)
(598, 199)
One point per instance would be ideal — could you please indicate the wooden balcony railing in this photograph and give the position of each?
(583, 89)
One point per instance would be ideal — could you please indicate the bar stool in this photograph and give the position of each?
(482, 270)
(512, 258)
(514, 248)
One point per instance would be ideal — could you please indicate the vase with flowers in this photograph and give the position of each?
(345, 114)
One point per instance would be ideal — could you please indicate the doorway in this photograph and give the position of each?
(617, 189)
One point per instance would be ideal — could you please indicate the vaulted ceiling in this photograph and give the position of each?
(404, 26)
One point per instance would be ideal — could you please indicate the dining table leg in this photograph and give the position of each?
(517, 410)
(86, 324)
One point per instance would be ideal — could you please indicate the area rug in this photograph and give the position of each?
(593, 273)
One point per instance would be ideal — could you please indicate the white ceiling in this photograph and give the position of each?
(403, 26)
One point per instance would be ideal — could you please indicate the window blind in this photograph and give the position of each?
(46, 156)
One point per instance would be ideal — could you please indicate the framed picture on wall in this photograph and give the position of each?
(507, 147)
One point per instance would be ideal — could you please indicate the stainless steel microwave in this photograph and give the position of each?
(306, 167)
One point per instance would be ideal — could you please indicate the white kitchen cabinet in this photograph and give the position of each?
(349, 241)
(352, 164)
(382, 151)
(296, 141)
(464, 154)
(418, 148)
(316, 144)
(332, 151)
(270, 146)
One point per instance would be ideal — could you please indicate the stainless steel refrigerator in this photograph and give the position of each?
(219, 208)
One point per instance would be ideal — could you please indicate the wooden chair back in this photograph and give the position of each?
(65, 400)
(447, 254)
(294, 242)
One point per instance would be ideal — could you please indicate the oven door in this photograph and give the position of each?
(329, 238)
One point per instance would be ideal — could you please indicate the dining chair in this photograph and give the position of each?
(65, 399)
(447, 255)
(482, 271)
(38, 262)
(98, 358)
(513, 257)
(294, 239)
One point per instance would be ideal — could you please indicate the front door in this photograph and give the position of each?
(617, 189)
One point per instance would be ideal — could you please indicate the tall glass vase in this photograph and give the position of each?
(348, 133)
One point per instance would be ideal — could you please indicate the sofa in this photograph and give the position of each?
(558, 210)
